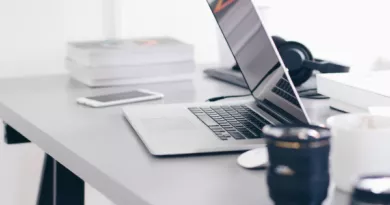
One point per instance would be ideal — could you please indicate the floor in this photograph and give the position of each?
(20, 169)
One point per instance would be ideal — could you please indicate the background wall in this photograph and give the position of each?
(351, 32)
(34, 33)
(339, 30)
(30, 32)
(188, 20)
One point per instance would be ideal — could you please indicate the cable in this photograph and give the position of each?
(311, 94)
(307, 90)
(224, 97)
(317, 97)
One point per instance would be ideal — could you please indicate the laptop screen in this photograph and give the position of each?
(257, 57)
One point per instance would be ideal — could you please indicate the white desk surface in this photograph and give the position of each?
(99, 145)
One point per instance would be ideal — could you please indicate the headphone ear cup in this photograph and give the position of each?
(278, 41)
(301, 77)
(293, 55)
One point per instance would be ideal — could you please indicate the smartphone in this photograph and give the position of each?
(119, 98)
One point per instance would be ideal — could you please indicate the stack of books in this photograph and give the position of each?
(133, 61)
(355, 92)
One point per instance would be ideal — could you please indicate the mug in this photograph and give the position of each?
(360, 147)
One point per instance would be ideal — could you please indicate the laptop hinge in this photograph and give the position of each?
(276, 112)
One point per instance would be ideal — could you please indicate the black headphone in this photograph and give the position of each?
(300, 61)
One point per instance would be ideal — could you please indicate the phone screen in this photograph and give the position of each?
(119, 96)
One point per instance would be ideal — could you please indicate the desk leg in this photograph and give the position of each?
(59, 186)
(12, 136)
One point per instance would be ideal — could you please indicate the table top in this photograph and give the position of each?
(100, 146)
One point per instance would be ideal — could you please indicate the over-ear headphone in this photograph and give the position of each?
(300, 61)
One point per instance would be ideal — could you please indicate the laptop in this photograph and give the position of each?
(177, 129)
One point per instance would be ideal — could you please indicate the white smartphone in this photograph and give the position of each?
(119, 98)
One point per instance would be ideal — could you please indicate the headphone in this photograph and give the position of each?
(300, 61)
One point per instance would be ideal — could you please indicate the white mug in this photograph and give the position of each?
(360, 146)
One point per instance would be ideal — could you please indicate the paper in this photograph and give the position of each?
(382, 111)
(375, 82)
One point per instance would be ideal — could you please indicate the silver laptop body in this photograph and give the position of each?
(172, 129)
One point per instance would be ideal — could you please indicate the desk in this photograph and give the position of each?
(100, 147)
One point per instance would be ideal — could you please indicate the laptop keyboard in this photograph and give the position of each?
(284, 90)
(231, 122)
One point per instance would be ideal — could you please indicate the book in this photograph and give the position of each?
(130, 52)
(133, 72)
(352, 92)
(128, 81)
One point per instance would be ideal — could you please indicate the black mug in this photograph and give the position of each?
(298, 172)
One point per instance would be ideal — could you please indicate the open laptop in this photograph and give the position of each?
(173, 129)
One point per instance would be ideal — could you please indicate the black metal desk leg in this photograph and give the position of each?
(59, 186)
(12, 136)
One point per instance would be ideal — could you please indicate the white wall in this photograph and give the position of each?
(33, 34)
(188, 20)
(351, 32)
(354, 33)
(30, 31)
(82, 19)
(345, 31)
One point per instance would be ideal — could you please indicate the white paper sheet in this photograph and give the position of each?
(382, 111)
